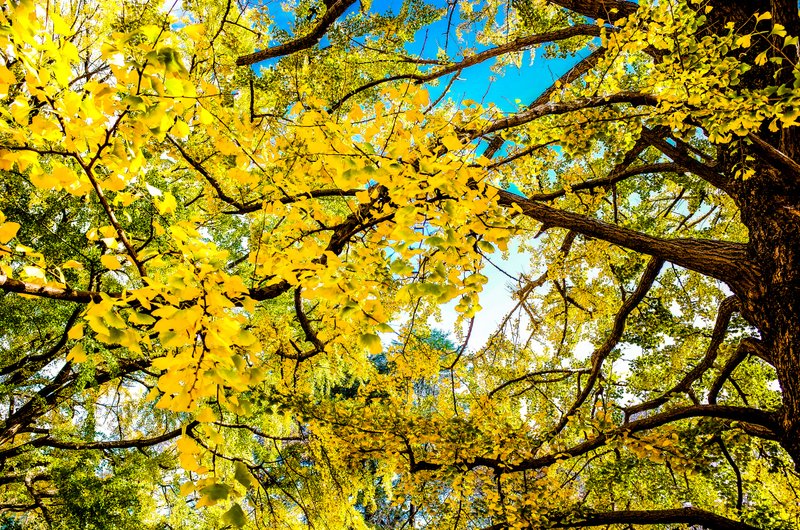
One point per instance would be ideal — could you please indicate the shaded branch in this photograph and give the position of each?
(109, 444)
(722, 260)
(599, 355)
(707, 173)
(553, 108)
(726, 310)
(308, 40)
(747, 346)
(613, 178)
(690, 516)
(764, 421)
(599, 8)
(252, 206)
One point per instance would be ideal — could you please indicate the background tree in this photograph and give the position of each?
(225, 237)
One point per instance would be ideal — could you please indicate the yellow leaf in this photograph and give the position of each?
(77, 354)
(205, 117)
(206, 415)
(167, 205)
(110, 262)
(76, 332)
(194, 31)
(33, 272)
(187, 488)
(72, 264)
(452, 143)
(7, 231)
(141, 319)
(372, 342)
(180, 129)
(6, 76)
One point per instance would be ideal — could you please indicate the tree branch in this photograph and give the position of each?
(521, 43)
(56, 293)
(110, 444)
(553, 108)
(722, 260)
(763, 420)
(613, 178)
(707, 173)
(599, 8)
(301, 43)
(599, 355)
(690, 516)
(726, 310)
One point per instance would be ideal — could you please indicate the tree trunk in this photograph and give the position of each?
(771, 212)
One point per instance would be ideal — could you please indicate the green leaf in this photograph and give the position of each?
(235, 516)
(371, 342)
(243, 475)
(216, 492)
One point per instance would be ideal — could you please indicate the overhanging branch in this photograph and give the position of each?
(301, 43)
(690, 516)
(722, 260)
(604, 9)
(764, 421)
(521, 43)
(10, 285)
(553, 108)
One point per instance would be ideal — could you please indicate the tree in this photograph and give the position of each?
(225, 240)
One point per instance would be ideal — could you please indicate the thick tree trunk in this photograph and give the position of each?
(772, 214)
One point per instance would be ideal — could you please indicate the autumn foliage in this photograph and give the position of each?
(227, 232)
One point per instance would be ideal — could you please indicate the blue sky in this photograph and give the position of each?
(524, 83)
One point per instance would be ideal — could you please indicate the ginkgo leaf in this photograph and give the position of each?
(8, 230)
(76, 332)
(34, 272)
(110, 262)
(77, 354)
(235, 516)
(167, 205)
(142, 319)
(206, 415)
(452, 143)
(72, 264)
(371, 342)
(216, 492)
(242, 475)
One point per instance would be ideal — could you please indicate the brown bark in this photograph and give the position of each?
(689, 516)
(334, 11)
(604, 9)
(772, 215)
(722, 260)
